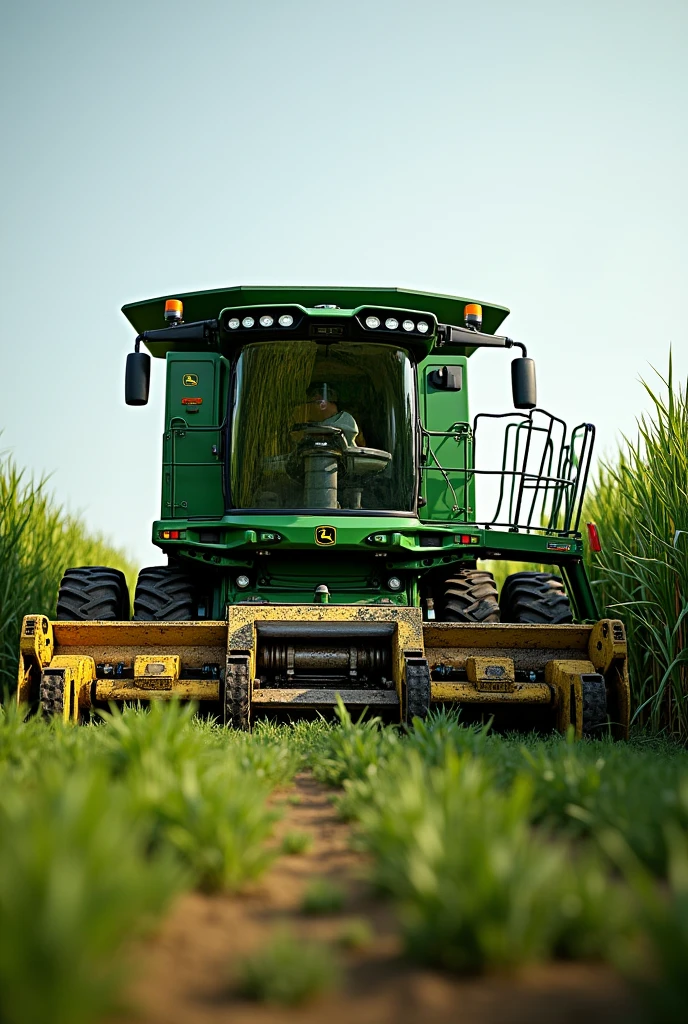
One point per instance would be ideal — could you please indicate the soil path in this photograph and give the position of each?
(185, 972)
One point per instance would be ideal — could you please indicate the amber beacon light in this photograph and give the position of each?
(174, 310)
(473, 315)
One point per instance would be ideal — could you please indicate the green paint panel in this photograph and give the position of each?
(192, 443)
(216, 545)
(149, 314)
(440, 410)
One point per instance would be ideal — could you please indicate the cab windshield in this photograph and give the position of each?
(323, 427)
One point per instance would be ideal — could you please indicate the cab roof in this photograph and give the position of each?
(148, 315)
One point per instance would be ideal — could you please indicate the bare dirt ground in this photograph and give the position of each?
(185, 973)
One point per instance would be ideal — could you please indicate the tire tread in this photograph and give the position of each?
(93, 592)
(471, 596)
(538, 598)
(164, 593)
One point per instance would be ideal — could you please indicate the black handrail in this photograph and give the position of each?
(545, 498)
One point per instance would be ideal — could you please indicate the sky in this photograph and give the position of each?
(531, 154)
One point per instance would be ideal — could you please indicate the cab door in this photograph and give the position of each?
(193, 458)
(446, 485)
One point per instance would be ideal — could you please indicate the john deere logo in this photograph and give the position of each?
(190, 380)
(325, 535)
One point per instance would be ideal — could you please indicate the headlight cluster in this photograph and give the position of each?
(264, 320)
(376, 322)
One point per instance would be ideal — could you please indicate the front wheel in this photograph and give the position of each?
(164, 593)
(93, 592)
(538, 598)
(470, 596)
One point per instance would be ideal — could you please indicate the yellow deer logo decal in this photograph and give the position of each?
(325, 535)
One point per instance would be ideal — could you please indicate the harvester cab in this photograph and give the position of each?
(328, 507)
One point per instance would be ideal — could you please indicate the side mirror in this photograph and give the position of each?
(137, 378)
(523, 386)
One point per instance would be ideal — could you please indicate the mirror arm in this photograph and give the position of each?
(517, 344)
(468, 338)
(200, 330)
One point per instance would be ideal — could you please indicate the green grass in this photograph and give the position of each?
(101, 826)
(295, 842)
(38, 541)
(640, 501)
(475, 884)
(323, 897)
(501, 851)
(288, 971)
(355, 934)
(495, 851)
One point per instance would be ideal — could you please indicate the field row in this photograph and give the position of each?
(495, 852)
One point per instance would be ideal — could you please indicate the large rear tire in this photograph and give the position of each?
(535, 597)
(164, 593)
(470, 596)
(93, 592)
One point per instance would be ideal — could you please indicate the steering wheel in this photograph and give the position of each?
(316, 428)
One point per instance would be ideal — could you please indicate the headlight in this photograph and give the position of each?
(266, 321)
(408, 325)
(391, 323)
(233, 323)
(422, 327)
(286, 320)
(372, 322)
(248, 321)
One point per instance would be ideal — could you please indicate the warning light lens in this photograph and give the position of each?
(473, 315)
(174, 310)
(594, 537)
(192, 401)
(170, 534)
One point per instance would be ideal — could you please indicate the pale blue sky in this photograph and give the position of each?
(532, 154)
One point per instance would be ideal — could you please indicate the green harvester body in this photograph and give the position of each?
(434, 531)
(330, 512)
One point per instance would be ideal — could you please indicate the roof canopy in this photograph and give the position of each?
(148, 315)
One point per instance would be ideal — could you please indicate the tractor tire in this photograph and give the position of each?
(417, 689)
(93, 592)
(535, 597)
(470, 596)
(595, 717)
(164, 593)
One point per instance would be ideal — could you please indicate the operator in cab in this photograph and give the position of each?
(321, 407)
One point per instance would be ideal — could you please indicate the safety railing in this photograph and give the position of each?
(540, 483)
